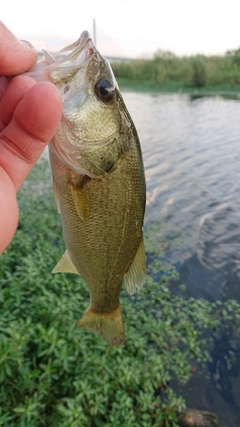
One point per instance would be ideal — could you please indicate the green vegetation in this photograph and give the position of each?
(53, 375)
(167, 72)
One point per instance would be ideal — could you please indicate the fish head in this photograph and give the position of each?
(88, 138)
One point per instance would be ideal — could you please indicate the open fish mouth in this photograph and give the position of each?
(68, 60)
(79, 44)
(77, 53)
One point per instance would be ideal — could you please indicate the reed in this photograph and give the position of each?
(166, 70)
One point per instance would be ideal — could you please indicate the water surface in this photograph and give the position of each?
(191, 151)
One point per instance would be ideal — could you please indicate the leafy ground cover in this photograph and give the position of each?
(52, 374)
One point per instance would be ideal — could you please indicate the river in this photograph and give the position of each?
(191, 151)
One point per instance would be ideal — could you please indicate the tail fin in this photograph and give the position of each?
(108, 325)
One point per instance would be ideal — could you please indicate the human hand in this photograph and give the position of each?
(29, 116)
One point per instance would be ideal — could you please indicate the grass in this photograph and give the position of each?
(52, 374)
(169, 73)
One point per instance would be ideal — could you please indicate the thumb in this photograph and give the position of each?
(15, 56)
(33, 124)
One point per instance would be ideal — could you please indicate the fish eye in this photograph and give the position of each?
(105, 90)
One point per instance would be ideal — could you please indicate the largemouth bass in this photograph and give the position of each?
(99, 183)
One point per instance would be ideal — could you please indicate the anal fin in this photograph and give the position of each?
(65, 265)
(135, 277)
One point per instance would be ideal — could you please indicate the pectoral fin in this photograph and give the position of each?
(65, 265)
(135, 278)
(56, 195)
(82, 200)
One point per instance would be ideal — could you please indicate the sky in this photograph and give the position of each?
(133, 28)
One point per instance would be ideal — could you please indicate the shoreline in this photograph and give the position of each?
(229, 91)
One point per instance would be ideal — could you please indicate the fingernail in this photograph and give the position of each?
(28, 44)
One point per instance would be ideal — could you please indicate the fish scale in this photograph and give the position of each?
(103, 246)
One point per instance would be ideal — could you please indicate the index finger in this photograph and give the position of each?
(15, 56)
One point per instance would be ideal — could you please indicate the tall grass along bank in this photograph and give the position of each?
(169, 72)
